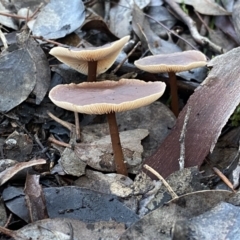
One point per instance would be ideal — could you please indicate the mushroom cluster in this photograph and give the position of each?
(172, 63)
(105, 97)
(90, 61)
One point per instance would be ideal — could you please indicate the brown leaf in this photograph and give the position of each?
(97, 23)
(211, 106)
(11, 171)
(66, 229)
(34, 197)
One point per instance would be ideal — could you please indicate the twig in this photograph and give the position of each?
(12, 15)
(170, 190)
(47, 40)
(36, 11)
(41, 146)
(193, 28)
(171, 31)
(63, 144)
(22, 17)
(8, 220)
(182, 140)
(67, 125)
(123, 61)
(224, 178)
(204, 26)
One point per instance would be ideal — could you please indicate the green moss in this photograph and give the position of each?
(235, 118)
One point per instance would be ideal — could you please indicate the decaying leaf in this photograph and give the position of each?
(43, 74)
(34, 198)
(75, 202)
(97, 23)
(57, 19)
(17, 78)
(206, 7)
(7, 21)
(182, 182)
(18, 146)
(158, 224)
(211, 105)
(150, 39)
(99, 154)
(11, 171)
(66, 229)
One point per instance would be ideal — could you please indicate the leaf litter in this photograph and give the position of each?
(28, 73)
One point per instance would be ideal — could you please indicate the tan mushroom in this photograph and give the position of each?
(172, 63)
(108, 97)
(90, 61)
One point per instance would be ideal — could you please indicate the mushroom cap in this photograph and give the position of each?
(106, 96)
(172, 62)
(78, 58)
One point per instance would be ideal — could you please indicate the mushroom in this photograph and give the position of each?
(108, 97)
(172, 63)
(90, 61)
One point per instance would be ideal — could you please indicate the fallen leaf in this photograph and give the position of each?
(206, 7)
(66, 229)
(57, 19)
(43, 73)
(75, 202)
(158, 224)
(34, 198)
(17, 78)
(11, 171)
(99, 154)
(150, 39)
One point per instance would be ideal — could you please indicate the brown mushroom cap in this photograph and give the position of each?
(78, 58)
(172, 62)
(106, 96)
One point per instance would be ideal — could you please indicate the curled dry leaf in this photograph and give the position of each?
(11, 171)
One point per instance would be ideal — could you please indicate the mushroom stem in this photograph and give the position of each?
(116, 144)
(92, 71)
(174, 93)
(77, 126)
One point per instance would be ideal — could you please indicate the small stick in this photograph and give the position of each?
(224, 178)
(182, 140)
(21, 17)
(170, 190)
(36, 11)
(63, 144)
(8, 220)
(12, 15)
(47, 40)
(67, 125)
(123, 61)
(37, 140)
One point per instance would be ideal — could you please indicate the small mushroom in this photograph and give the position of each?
(108, 97)
(90, 61)
(172, 63)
